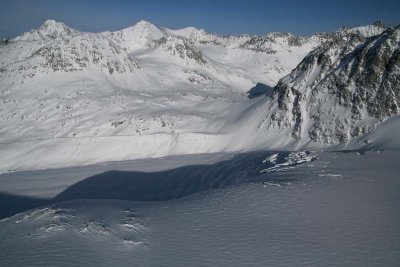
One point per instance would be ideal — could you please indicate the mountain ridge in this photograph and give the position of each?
(356, 77)
(167, 92)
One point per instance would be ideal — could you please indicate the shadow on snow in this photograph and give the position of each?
(260, 89)
(156, 186)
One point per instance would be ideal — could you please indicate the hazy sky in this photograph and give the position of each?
(216, 16)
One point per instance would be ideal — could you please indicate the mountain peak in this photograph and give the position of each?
(49, 29)
(366, 31)
(379, 23)
(191, 33)
(143, 23)
(143, 27)
(52, 26)
(138, 36)
(51, 23)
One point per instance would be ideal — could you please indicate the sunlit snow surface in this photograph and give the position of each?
(312, 209)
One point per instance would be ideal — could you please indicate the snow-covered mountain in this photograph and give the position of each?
(55, 47)
(340, 91)
(139, 36)
(50, 29)
(72, 98)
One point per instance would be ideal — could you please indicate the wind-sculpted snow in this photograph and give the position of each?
(146, 180)
(183, 181)
(55, 219)
(338, 210)
(90, 229)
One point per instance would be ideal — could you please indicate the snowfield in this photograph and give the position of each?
(338, 209)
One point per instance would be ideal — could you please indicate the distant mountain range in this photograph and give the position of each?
(73, 98)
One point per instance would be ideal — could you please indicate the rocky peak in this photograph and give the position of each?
(183, 48)
(273, 42)
(364, 31)
(341, 90)
(379, 23)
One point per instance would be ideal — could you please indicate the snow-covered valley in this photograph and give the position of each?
(149, 146)
(73, 98)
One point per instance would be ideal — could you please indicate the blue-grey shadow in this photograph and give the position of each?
(158, 186)
(11, 205)
(260, 89)
(169, 184)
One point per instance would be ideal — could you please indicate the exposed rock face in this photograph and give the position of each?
(274, 42)
(182, 48)
(379, 23)
(340, 90)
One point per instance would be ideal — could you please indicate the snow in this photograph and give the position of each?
(367, 31)
(137, 36)
(145, 147)
(48, 183)
(293, 158)
(340, 209)
(383, 137)
(72, 98)
(192, 34)
(50, 29)
(161, 105)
